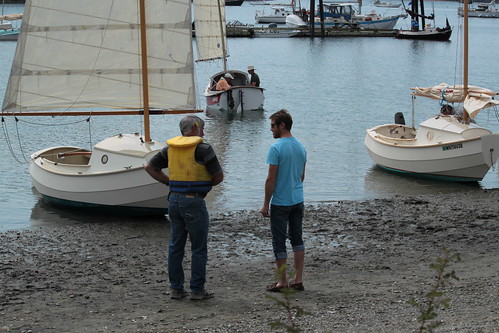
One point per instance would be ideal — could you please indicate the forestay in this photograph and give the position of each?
(71, 57)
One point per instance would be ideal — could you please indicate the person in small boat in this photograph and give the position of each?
(254, 79)
(193, 170)
(283, 201)
(225, 82)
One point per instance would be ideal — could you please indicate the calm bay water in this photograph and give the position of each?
(335, 89)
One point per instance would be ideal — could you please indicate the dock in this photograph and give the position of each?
(248, 31)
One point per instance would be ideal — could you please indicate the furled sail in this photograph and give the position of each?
(209, 26)
(73, 54)
(478, 98)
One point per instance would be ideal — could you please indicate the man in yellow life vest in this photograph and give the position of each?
(193, 170)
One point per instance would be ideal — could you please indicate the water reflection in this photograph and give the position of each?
(237, 139)
(379, 181)
(44, 214)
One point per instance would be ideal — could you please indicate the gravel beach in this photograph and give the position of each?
(364, 261)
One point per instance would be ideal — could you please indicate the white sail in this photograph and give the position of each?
(73, 54)
(477, 99)
(210, 29)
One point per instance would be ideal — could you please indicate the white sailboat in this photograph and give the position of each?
(446, 146)
(101, 58)
(212, 45)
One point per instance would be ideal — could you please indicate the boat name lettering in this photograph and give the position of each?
(453, 146)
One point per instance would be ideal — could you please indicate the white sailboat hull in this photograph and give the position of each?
(441, 148)
(241, 96)
(112, 176)
(244, 98)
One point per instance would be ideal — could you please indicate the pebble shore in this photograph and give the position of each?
(364, 261)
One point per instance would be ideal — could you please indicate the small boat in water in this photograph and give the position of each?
(278, 14)
(211, 42)
(7, 30)
(420, 29)
(487, 10)
(274, 32)
(378, 3)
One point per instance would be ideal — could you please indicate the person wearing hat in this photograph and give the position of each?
(224, 82)
(255, 79)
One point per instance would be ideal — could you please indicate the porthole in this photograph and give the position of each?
(104, 159)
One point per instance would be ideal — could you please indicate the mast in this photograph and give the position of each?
(465, 56)
(222, 23)
(423, 22)
(145, 77)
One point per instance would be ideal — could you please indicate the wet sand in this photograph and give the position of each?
(364, 261)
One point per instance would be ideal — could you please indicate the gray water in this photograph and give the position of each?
(335, 88)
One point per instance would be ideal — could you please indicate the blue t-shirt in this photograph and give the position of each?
(290, 157)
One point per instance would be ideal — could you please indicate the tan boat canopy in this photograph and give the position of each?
(478, 98)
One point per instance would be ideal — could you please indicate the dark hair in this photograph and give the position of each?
(282, 116)
(447, 109)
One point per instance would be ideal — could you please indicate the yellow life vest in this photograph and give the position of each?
(186, 175)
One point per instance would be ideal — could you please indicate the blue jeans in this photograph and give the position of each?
(280, 218)
(188, 217)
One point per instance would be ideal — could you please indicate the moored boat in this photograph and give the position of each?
(344, 15)
(89, 65)
(211, 44)
(487, 10)
(420, 29)
(277, 14)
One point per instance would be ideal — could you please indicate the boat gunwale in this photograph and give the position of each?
(394, 144)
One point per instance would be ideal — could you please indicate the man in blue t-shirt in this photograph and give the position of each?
(284, 194)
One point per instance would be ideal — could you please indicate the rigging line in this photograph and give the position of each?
(20, 142)
(51, 124)
(90, 132)
(9, 144)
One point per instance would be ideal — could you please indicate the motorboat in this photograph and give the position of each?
(272, 31)
(487, 10)
(278, 14)
(294, 20)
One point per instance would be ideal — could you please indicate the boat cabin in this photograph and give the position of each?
(339, 10)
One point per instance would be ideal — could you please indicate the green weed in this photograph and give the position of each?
(435, 299)
(284, 302)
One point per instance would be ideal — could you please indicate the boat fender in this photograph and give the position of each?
(399, 118)
(251, 32)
